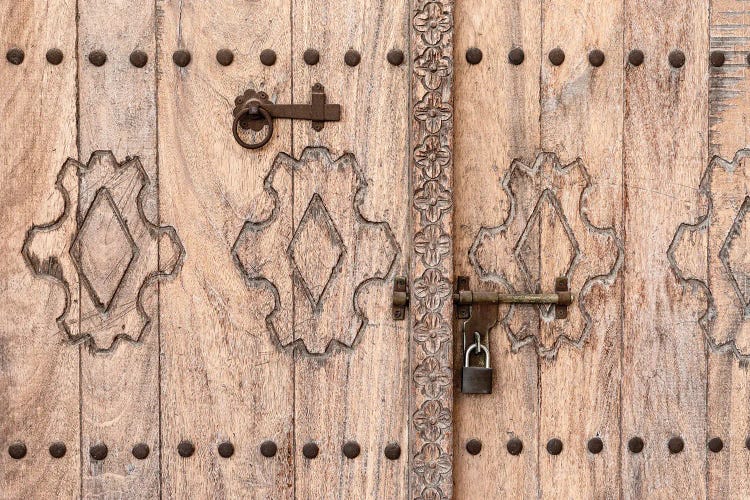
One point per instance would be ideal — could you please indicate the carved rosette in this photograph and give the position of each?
(315, 252)
(432, 261)
(547, 234)
(104, 251)
(711, 256)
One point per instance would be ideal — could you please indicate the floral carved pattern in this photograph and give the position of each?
(547, 233)
(722, 232)
(104, 251)
(432, 260)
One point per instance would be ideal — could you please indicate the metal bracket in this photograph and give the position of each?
(400, 298)
(254, 111)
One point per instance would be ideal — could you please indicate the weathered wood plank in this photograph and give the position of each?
(117, 112)
(38, 367)
(665, 149)
(582, 119)
(357, 393)
(224, 379)
(729, 114)
(496, 120)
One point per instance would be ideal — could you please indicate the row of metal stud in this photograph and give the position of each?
(596, 57)
(595, 445)
(182, 58)
(185, 449)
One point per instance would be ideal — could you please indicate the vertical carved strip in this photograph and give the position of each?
(432, 263)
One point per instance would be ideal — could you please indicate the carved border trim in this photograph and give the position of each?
(431, 346)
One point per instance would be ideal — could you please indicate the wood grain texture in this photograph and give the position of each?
(582, 118)
(496, 120)
(39, 385)
(728, 380)
(117, 112)
(665, 150)
(223, 376)
(359, 393)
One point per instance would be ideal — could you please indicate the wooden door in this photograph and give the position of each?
(186, 318)
(605, 142)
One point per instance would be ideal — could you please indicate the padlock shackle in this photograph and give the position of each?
(479, 350)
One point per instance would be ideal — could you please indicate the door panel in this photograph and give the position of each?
(657, 248)
(581, 122)
(488, 99)
(663, 162)
(223, 378)
(352, 402)
(117, 113)
(39, 392)
(728, 384)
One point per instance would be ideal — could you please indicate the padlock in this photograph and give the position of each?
(476, 379)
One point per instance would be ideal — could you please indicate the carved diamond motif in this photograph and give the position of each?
(547, 209)
(549, 234)
(316, 250)
(103, 250)
(735, 256)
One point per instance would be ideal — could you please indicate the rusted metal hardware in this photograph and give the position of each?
(400, 298)
(254, 111)
(561, 298)
(479, 319)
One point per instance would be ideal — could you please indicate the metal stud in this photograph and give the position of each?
(97, 58)
(225, 57)
(516, 56)
(554, 446)
(473, 55)
(717, 58)
(635, 57)
(268, 57)
(635, 445)
(474, 446)
(181, 58)
(715, 444)
(352, 58)
(57, 449)
(186, 449)
(514, 446)
(141, 451)
(395, 57)
(677, 58)
(17, 450)
(596, 58)
(747, 58)
(15, 56)
(268, 449)
(676, 445)
(351, 449)
(595, 445)
(310, 450)
(54, 56)
(138, 58)
(226, 449)
(311, 57)
(747, 443)
(392, 451)
(98, 451)
(556, 56)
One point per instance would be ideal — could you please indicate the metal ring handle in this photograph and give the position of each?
(255, 145)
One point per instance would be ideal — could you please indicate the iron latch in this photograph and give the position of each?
(561, 298)
(254, 110)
